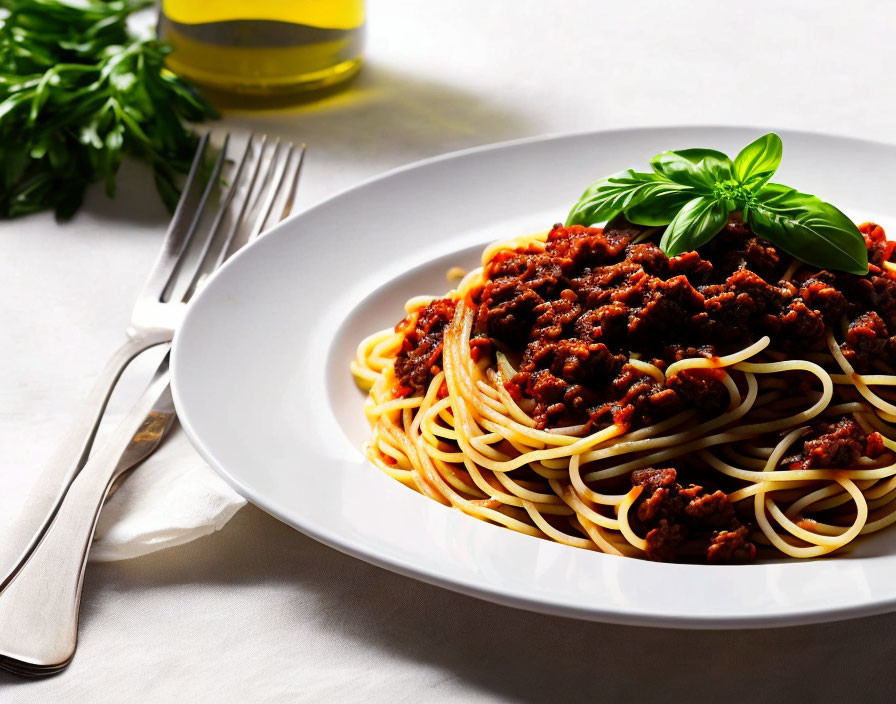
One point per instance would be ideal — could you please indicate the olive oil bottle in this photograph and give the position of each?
(264, 47)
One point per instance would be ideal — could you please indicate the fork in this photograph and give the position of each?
(248, 203)
(39, 602)
(40, 606)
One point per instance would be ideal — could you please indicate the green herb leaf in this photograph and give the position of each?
(696, 223)
(660, 208)
(757, 162)
(698, 168)
(693, 191)
(808, 228)
(77, 93)
(606, 198)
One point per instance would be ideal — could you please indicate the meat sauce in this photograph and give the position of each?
(420, 356)
(679, 521)
(571, 317)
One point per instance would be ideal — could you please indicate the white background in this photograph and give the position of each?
(258, 612)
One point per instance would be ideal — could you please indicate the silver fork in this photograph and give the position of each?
(39, 601)
(159, 307)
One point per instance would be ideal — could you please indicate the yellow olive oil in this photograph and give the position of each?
(264, 47)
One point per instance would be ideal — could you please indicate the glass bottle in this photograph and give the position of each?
(264, 47)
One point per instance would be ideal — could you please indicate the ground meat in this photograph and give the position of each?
(836, 444)
(649, 257)
(553, 309)
(420, 356)
(678, 521)
(800, 327)
(583, 362)
(507, 312)
(731, 546)
(480, 347)
(701, 389)
(577, 247)
(879, 249)
(663, 542)
(659, 307)
(698, 271)
(866, 340)
(820, 294)
(609, 321)
(735, 247)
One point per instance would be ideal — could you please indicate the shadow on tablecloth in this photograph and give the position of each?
(388, 117)
(258, 609)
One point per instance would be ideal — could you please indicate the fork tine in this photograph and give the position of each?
(286, 198)
(259, 194)
(211, 186)
(274, 182)
(243, 203)
(294, 186)
(180, 229)
(203, 267)
(283, 190)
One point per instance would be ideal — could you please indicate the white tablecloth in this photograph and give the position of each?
(258, 612)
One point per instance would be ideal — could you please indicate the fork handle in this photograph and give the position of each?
(39, 607)
(20, 537)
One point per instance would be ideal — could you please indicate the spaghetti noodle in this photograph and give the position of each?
(583, 388)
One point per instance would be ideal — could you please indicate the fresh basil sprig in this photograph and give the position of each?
(693, 191)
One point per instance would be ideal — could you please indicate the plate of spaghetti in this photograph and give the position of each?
(669, 399)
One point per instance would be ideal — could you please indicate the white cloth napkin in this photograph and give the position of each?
(172, 498)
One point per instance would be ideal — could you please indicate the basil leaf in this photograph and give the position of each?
(697, 223)
(699, 168)
(809, 229)
(606, 198)
(660, 208)
(758, 161)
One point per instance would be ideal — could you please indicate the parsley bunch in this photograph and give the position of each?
(77, 92)
(693, 191)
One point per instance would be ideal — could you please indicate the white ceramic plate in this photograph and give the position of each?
(262, 384)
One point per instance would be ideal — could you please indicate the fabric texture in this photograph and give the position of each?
(173, 498)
